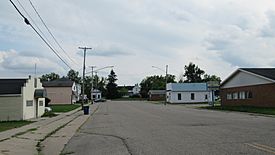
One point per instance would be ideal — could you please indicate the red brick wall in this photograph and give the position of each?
(157, 97)
(262, 96)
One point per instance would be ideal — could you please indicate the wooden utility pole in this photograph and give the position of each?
(84, 48)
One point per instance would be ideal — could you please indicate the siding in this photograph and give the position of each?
(11, 108)
(186, 97)
(59, 95)
(262, 96)
(244, 79)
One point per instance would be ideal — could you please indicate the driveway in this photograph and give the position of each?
(123, 127)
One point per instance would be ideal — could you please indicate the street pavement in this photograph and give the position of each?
(137, 127)
(46, 136)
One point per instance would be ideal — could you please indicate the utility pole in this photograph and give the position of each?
(166, 79)
(92, 90)
(84, 48)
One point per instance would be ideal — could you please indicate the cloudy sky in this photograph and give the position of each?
(133, 35)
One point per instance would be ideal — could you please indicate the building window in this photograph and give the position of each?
(229, 96)
(192, 96)
(35, 82)
(41, 103)
(29, 103)
(235, 95)
(179, 96)
(249, 94)
(242, 95)
(206, 97)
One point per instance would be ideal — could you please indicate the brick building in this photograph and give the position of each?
(249, 87)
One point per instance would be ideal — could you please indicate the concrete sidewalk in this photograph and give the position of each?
(45, 136)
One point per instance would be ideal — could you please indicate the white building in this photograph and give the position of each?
(188, 93)
(21, 98)
(96, 94)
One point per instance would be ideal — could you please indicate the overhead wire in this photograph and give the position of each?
(34, 23)
(51, 32)
(28, 23)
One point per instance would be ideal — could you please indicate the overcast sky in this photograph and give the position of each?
(133, 35)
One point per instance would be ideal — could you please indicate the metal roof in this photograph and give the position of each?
(187, 86)
(12, 86)
(63, 82)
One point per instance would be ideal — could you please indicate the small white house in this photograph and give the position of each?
(136, 89)
(96, 94)
(188, 93)
(21, 98)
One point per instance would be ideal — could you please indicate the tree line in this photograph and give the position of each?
(192, 74)
(107, 86)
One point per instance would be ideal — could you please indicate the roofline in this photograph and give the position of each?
(14, 78)
(10, 95)
(241, 70)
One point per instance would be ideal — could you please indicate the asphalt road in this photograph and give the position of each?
(119, 128)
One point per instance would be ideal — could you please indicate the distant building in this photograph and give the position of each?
(156, 95)
(249, 87)
(62, 91)
(21, 98)
(131, 90)
(96, 94)
(188, 93)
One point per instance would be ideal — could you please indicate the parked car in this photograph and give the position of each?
(48, 109)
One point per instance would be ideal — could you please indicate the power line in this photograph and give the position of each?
(51, 32)
(28, 23)
(35, 24)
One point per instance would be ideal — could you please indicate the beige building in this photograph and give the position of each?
(62, 91)
(21, 98)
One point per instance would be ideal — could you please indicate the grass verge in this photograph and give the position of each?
(129, 99)
(64, 108)
(249, 109)
(7, 125)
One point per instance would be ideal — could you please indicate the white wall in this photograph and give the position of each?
(28, 94)
(172, 97)
(245, 79)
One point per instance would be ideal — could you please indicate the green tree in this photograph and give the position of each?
(74, 76)
(111, 87)
(207, 78)
(88, 86)
(102, 86)
(49, 77)
(155, 82)
(192, 73)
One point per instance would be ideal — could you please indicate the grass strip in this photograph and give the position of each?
(7, 125)
(249, 109)
(64, 108)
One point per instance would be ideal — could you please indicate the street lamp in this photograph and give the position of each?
(166, 73)
(95, 71)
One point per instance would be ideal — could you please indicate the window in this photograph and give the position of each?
(229, 96)
(29, 103)
(41, 103)
(206, 97)
(249, 94)
(235, 95)
(94, 96)
(35, 82)
(242, 95)
(179, 96)
(192, 96)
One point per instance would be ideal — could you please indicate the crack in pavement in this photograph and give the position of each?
(114, 136)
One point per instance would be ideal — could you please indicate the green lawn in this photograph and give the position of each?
(6, 125)
(64, 108)
(258, 110)
(129, 99)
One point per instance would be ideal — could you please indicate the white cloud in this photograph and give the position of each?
(217, 35)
